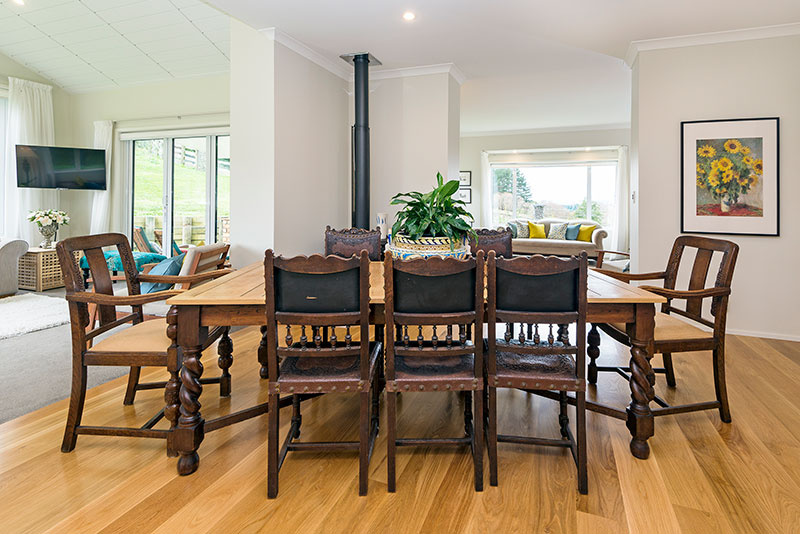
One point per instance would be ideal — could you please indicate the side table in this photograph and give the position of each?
(39, 269)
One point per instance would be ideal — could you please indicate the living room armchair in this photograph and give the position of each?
(142, 344)
(693, 332)
(10, 252)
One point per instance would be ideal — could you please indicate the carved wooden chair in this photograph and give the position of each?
(498, 240)
(315, 292)
(350, 241)
(536, 291)
(144, 344)
(674, 335)
(432, 292)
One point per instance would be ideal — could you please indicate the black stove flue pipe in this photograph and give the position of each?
(361, 143)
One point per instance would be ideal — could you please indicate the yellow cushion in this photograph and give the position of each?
(585, 232)
(536, 230)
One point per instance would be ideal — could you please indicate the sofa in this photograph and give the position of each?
(11, 250)
(558, 247)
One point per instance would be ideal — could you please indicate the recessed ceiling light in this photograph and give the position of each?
(408, 16)
(20, 2)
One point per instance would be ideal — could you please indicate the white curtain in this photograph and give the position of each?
(30, 122)
(487, 198)
(101, 202)
(621, 240)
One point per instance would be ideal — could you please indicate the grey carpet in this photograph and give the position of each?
(36, 370)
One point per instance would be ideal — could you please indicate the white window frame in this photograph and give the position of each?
(128, 138)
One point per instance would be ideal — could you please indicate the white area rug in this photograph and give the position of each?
(29, 312)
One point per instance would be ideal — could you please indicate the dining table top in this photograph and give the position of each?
(245, 287)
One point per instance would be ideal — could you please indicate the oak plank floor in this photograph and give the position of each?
(702, 476)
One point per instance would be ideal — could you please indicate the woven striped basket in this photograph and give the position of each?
(404, 248)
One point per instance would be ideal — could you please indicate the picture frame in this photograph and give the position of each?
(464, 178)
(465, 194)
(730, 176)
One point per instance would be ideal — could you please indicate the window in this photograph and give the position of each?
(181, 189)
(535, 191)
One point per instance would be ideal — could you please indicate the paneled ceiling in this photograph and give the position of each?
(90, 45)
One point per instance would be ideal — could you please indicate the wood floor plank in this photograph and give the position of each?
(702, 475)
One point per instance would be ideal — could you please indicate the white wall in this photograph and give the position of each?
(413, 135)
(252, 144)
(312, 156)
(757, 78)
(289, 149)
(471, 148)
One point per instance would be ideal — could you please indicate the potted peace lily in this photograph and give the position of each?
(431, 224)
(48, 222)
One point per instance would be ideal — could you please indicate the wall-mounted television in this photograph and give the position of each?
(50, 167)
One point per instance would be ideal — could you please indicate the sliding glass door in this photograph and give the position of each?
(180, 191)
(148, 191)
(190, 199)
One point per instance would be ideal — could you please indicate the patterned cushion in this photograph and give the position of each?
(558, 231)
(522, 229)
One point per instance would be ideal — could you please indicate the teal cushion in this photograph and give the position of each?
(513, 228)
(115, 263)
(572, 231)
(176, 250)
(170, 267)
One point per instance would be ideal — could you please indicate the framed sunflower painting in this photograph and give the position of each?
(729, 177)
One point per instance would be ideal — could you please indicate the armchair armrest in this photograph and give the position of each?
(147, 267)
(185, 279)
(601, 254)
(688, 294)
(629, 277)
(598, 235)
(121, 300)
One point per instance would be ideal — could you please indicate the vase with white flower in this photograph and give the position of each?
(48, 222)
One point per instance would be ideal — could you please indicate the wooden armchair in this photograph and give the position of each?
(312, 293)
(538, 362)
(350, 241)
(497, 240)
(144, 344)
(674, 335)
(427, 293)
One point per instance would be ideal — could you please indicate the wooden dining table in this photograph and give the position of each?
(238, 299)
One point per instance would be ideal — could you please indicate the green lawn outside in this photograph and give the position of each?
(189, 189)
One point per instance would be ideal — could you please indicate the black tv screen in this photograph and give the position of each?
(50, 167)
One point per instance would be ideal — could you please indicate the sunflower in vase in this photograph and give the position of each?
(727, 170)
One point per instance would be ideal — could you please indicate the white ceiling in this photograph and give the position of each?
(530, 64)
(89, 45)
